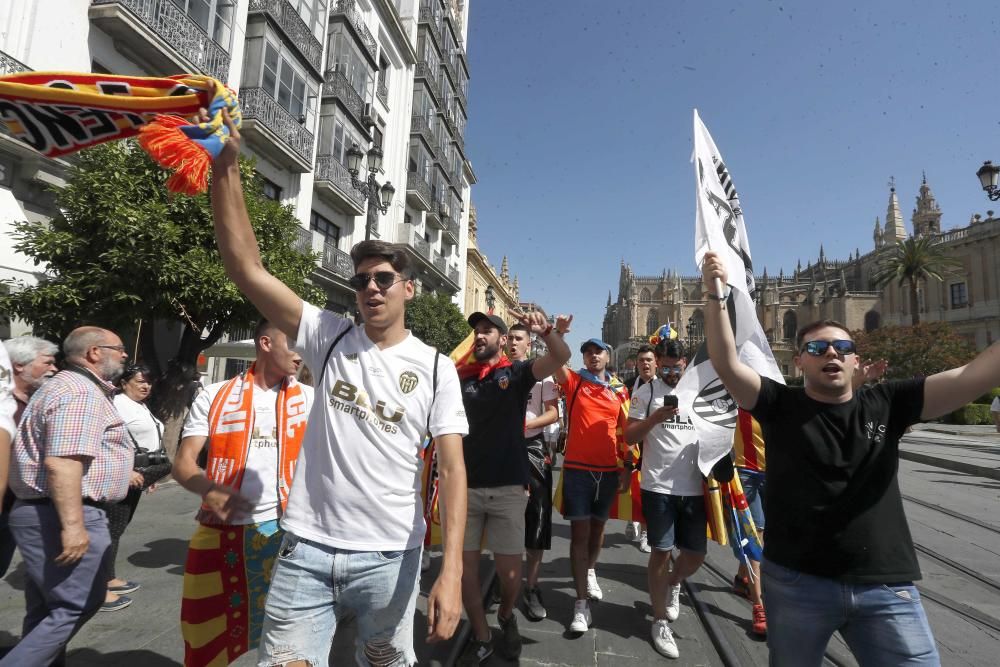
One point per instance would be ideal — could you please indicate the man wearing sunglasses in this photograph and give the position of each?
(354, 520)
(838, 555)
(672, 497)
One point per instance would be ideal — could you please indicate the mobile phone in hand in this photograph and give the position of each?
(670, 401)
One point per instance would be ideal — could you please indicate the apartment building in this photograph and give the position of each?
(322, 84)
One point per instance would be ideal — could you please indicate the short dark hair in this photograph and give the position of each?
(818, 324)
(390, 252)
(670, 347)
(643, 349)
(135, 369)
(517, 326)
(263, 326)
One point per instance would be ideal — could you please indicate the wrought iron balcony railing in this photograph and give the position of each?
(453, 274)
(349, 10)
(451, 227)
(383, 92)
(419, 125)
(415, 183)
(328, 168)
(335, 84)
(337, 261)
(433, 23)
(303, 243)
(258, 105)
(300, 35)
(9, 65)
(181, 32)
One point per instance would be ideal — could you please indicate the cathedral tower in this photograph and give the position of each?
(894, 229)
(927, 215)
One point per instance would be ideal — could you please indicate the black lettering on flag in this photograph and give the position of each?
(102, 125)
(114, 88)
(31, 134)
(61, 84)
(57, 123)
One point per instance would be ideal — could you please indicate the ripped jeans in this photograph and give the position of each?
(314, 584)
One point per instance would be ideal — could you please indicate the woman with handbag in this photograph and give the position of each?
(146, 432)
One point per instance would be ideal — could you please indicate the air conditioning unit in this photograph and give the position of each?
(368, 116)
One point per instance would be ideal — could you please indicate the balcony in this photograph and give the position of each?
(418, 193)
(303, 243)
(419, 126)
(348, 9)
(453, 274)
(439, 262)
(462, 98)
(160, 37)
(336, 85)
(274, 131)
(383, 92)
(336, 261)
(428, 18)
(430, 266)
(10, 65)
(332, 183)
(409, 237)
(424, 71)
(451, 232)
(299, 35)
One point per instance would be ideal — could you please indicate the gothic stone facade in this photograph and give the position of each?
(842, 290)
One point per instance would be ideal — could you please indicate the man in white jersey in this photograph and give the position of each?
(672, 497)
(354, 520)
(542, 411)
(251, 428)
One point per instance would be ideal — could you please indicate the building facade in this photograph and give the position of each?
(314, 78)
(968, 299)
(483, 285)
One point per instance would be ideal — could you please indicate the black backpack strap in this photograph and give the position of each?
(434, 389)
(326, 359)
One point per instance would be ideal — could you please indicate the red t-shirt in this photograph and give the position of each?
(592, 424)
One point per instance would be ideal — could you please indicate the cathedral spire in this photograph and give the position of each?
(894, 229)
(609, 297)
(927, 215)
(877, 234)
(505, 270)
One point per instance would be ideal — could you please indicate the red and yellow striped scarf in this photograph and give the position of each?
(230, 426)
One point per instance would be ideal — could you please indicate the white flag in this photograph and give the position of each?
(719, 227)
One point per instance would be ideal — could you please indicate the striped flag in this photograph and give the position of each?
(719, 227)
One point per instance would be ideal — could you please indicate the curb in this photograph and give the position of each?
(948, 464)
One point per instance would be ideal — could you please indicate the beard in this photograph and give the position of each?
(111, 370)
(32, 382)
(672, 379)
(487, 353)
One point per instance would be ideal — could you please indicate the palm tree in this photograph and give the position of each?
(912, 261)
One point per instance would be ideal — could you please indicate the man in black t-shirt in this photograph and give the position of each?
(838, 555)
(495, 392)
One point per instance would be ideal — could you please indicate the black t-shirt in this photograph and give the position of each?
(832, 498)
(495, 453)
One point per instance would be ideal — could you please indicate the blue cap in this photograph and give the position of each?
(595, 341)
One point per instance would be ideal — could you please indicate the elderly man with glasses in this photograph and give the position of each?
(71, 456)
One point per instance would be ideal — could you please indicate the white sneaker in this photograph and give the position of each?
(674, 603)
(663, 639)
(632, 531)
(644, 543)
(594, 591)
(581, 617)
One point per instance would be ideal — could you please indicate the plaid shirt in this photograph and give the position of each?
(71, 416)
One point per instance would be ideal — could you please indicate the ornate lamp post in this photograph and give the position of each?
(491, 298)
(690, 329)
(988, 174)
(379, 198)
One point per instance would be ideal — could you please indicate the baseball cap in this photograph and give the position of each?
(477, 317)
(594, 341)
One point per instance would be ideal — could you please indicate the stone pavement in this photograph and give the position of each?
(974, 450)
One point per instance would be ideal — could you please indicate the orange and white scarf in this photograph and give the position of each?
(230, 426)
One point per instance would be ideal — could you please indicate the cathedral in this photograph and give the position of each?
(838, 289)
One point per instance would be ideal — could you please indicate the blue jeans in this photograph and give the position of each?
(753, 488)
(314, 584)
(675, 521)
(588, 495)
(883, 624)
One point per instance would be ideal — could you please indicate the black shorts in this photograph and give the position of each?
(538, 513)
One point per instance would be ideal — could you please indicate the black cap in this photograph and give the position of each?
(477, 317)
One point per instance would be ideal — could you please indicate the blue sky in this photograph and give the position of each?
(580, 129)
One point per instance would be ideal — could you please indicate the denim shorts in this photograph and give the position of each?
(588, 495)
(675, 521)
(753, 489)
(313, 584)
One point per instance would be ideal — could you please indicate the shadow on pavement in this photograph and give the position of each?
(88, 657)
(16, 577)
(162, 553)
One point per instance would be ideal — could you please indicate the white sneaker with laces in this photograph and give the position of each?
(663, 639)
(594, 591)
(632, 531)
(674, 603)
(581, 617)
(644, 543)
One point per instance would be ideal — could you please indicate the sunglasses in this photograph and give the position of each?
(383, 280)
(818, 348)
(673, 370)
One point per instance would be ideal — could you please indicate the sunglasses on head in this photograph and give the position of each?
(818, 348)
(383, 280)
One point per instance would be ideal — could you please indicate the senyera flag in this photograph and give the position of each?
(719, 227)
(58, 113)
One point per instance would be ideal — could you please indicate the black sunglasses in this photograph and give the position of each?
(818, 348)
(383, 280)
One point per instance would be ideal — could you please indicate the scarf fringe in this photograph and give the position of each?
(164, 141)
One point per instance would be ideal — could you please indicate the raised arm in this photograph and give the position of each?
(557, 352)
(238, 245)
(949, 390)
(742, 381)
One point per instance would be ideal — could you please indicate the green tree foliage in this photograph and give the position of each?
(434, 319)
(912, 261)
(916, 351)
(123, 249)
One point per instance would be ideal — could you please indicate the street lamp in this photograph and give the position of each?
(379, 198)
(491, 298)
(988, 174)
(690, 328)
